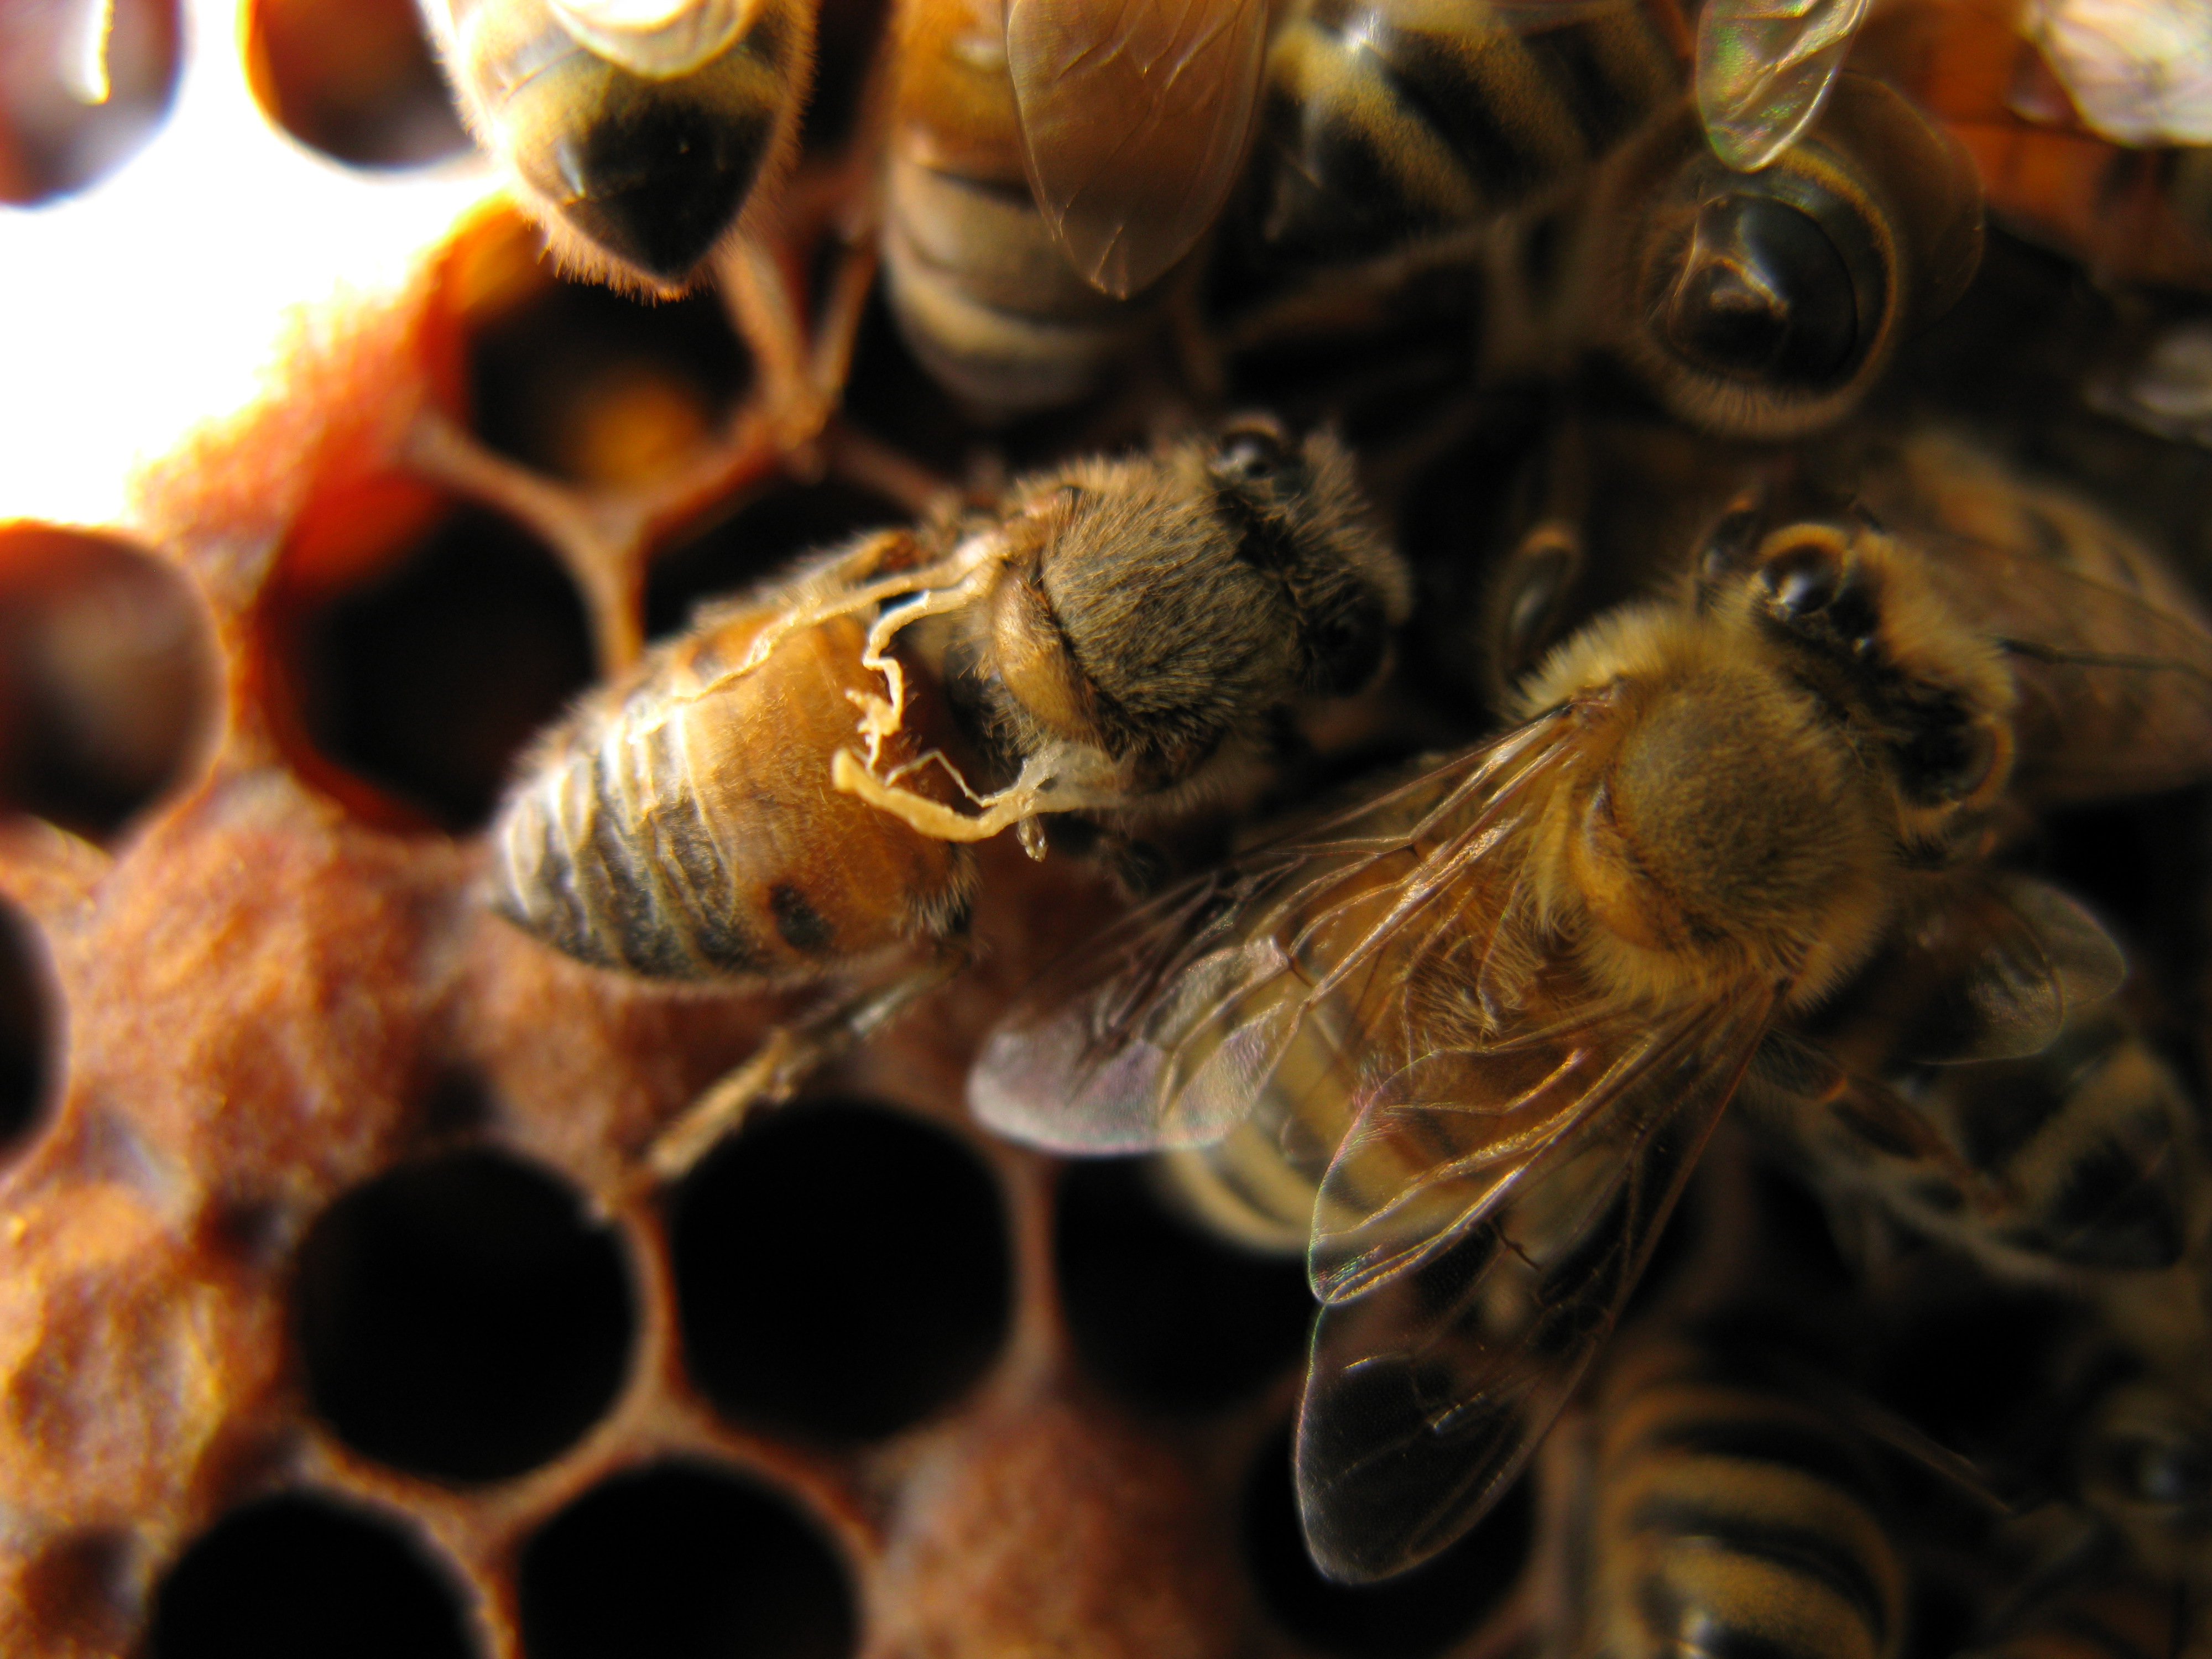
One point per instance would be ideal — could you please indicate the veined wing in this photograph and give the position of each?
(1464, 1303)
(2111, 653)
(1764, 69)
(1134, 116)
(1166, 1030)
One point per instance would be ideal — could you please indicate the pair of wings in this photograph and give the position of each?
(1509, 1142)
(1515, 1142)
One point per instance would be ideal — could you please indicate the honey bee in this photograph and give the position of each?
(1766, 305)
(1047, 162)
(636, 134)
(2073, 1163)
(1481, 1022)
(1728, 1516)
(1388, 120)
(782, 792)
(1760, 305)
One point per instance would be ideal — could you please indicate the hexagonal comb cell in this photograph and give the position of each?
(756, 541)
(577, 381)
(841, 1269)
(106, 678)
(302, 1573)
(83, 85)
(416, 644)
(682, 1558)
(1161, 1311)
(354, 79)
(26, 1033)
(463, 1316)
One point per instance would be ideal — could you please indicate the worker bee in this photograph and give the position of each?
(1389, 121)
(1761, 305)
(784, 790)
(1726, 1515)
(1047, 162)
(1481, 1022)
(1767, 304)
(635, 135)
(2071, 1164)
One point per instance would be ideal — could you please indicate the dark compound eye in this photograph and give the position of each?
(1344, 649)
(1253, 452)
(1803, 579)
(1763, 294)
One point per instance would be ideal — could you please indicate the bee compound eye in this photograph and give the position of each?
(1254, 452)
(1344, 650)
(1762, 293)
(1801, 580)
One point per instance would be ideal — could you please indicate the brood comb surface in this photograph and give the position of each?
(334, 1315)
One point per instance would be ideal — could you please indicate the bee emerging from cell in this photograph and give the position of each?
(786, 792)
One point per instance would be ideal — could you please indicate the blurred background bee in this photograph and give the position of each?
(1048, 163)
(637, 137)
(784, 792)
(1473, 1029)
(1723, 1514)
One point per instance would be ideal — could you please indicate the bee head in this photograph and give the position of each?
(1923, 695)
(1174, 604)
(2145, 1461)
(1766, 304)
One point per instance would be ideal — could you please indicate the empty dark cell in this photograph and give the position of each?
(106, 678)
(74, 105)
(846, 34)
(298, 1575)
(1422, 1612)
(579, 382)
(681, 1561)
(355, 79)
(894, 397)
(27, 1034)
(427, 679)
(757, 541)
(463, 1317)
(841, 1270)
(1162, 1312)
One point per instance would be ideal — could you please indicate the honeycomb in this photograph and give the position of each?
(334, 1315)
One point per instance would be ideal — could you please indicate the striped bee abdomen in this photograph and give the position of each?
(1390, 118)
(1736, 1521)
(682, 824)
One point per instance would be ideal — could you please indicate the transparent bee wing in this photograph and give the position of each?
(2110, 652)
(1443, 1356)
(1764, 69)
(2004, 964)
(1134, 116)
(1166, 1030)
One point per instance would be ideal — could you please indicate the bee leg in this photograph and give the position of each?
(788, 1057)
(766, 312)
